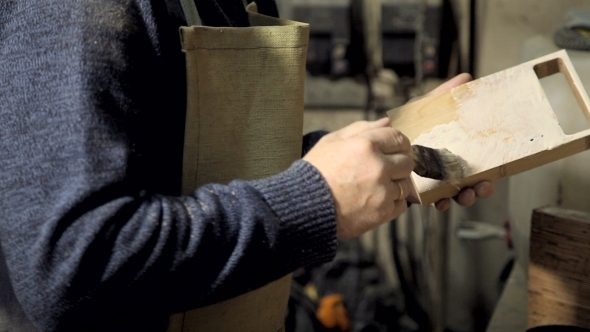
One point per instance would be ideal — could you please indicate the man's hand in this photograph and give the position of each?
(367, 167)
(484, 189)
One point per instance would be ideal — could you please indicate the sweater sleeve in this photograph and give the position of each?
(90, 128)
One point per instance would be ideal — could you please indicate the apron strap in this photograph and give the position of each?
(266, 7)
(182, 12)
(190, 12)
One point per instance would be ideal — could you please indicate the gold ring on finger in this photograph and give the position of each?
(401, 190)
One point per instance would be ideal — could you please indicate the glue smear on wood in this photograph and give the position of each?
(495, 123)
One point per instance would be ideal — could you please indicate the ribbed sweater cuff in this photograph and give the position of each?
(301, 199)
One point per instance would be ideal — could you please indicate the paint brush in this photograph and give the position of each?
(438, 164)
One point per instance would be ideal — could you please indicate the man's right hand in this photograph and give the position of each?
(365, 165)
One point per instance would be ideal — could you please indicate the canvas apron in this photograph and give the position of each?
(244, 121)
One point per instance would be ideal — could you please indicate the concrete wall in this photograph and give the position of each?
(506, 24)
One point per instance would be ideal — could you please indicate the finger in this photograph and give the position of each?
(401, 207)
(400, 189)
(484, 189)
(453, 82)
(398, 166)
(466, 197)
(388, 140)
(443, 204)
(359, 127)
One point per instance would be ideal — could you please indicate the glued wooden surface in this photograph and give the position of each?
(500, 124)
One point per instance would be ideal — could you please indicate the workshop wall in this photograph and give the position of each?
(511, 32)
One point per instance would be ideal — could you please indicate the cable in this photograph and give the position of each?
(413, 307)
(419, 46)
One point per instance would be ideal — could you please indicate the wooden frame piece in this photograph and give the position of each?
(500, 125)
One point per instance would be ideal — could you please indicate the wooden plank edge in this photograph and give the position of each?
(515, 167)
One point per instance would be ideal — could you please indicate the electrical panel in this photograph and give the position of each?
(401, 22)
(400, 26)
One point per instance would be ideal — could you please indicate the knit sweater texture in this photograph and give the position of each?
(94, 233)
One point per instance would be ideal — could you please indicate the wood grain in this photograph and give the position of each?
(559, 268)
(501, 125)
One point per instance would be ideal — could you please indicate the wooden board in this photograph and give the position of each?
(559, 268)
(500, 125)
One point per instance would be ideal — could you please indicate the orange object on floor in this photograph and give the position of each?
(332, 313)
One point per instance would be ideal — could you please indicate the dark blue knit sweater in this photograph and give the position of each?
(93, 231)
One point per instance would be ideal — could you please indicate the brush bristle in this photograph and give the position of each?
(453, 166)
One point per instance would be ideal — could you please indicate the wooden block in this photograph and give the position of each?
(500, 125)
(559, 268)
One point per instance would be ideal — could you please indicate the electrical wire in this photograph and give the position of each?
(413, 306)
(419, 47)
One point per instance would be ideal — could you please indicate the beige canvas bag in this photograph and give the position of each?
(244, 121)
